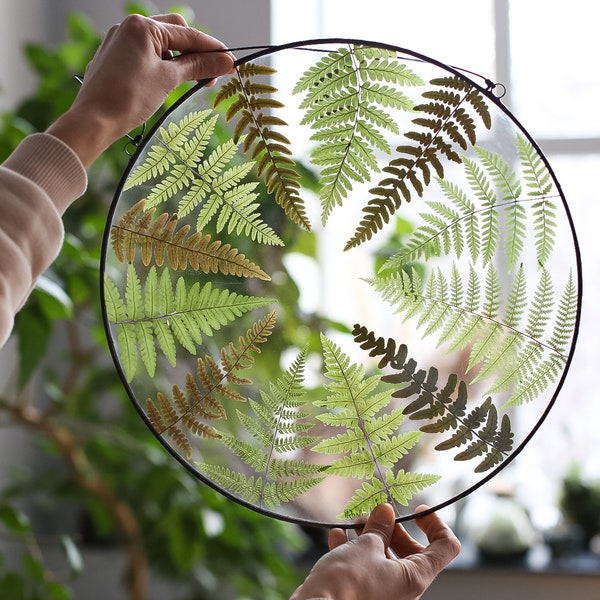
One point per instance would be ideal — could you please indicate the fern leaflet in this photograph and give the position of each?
(279, 425)
(539, 184)
(252, 102)
(450, 125)
(203, 178)
(371, 446)
(347, 94)
(179, 417)
(444, 408)
(161, 240)
(156, 313)
(508, 338)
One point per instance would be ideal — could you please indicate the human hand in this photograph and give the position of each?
(383, 563)
(130, 76)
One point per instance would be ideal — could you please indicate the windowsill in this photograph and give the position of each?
(537, 560)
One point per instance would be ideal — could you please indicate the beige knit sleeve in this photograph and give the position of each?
(38, 182)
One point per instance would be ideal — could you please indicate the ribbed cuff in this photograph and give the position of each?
(51, 164)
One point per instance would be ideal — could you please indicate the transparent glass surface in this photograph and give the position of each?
(350, 284)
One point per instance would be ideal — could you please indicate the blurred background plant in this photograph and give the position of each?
(98, 477)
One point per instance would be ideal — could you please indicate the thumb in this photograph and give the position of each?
(381, 523)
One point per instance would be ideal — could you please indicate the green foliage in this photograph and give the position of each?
(209, 181)
(370, 446)
(444, 408)
(279, 426)
(158, 313)
(484, 215)
(347, 96)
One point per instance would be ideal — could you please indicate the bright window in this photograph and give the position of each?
(545, 51)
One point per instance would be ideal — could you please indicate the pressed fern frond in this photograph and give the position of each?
(279, 426)
(450, 126)
(254, 489)
(470, 219)
(179, 417)
(371, 446)
(156, 313)
(444, 408)
(161, 158)
(203, 179)
(400, 486)
(253, 105)
(539, 185)
(508, 338)
(161, 240)
(348, 93)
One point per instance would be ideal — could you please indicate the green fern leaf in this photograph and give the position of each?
(246, 488)
(278, 425)
(399, 487)
(371, 445)
(159, 312)
(162, 157)
(202, 179)
(539, 185)
(347, 107)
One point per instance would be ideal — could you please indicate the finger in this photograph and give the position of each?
(403, 544)
(443, 544)
(337, 537)
(380, 524)
(173, 18)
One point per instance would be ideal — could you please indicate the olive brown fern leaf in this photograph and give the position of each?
(470, 220)
(509, 338)
(161, 240)
(183, 416)
(347, 96)
(158, 316)
(448, 127)
(277, 427)
(371, 446)
(183, 165)
(443, 407)
(252, 102)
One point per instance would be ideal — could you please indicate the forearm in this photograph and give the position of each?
(37, 184)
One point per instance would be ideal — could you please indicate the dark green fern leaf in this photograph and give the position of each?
(444, 408)
(252, 104)
(449, 128)
(371, 446)
(348, 94)
(157, 314)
